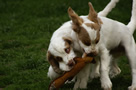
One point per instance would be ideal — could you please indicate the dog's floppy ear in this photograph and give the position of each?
(77, 21)
(54, 62)
(93, 17)
(92, 13)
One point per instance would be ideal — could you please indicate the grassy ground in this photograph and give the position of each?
(26, 27)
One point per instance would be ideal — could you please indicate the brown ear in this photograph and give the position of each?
(54, 63)
(93, 17)
(77, 21)
(92, 13)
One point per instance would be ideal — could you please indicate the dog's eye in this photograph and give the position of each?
(96, 41)
(87, 43)
(67, 50)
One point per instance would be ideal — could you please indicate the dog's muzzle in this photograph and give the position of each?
(71, 63)
(92, 54)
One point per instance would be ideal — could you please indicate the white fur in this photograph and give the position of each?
(56, 47)
(132, 24)
(113, 34)
(82, 79)
(52, 74)
(94, 68)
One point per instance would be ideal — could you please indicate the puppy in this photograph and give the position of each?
(60, 53)
(101, 36)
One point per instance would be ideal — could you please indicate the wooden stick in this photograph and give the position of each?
(80, 63)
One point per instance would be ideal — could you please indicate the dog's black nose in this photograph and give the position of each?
(71, 63)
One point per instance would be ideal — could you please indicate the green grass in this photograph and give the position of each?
(26, 27)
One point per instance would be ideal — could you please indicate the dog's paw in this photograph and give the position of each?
(94, 75)
(106, 84)
(80, 84)
(68, 82)
(114, 72)
(76, 85)
(132, 88)
(107, 87)
(71, 81)
(83, 85)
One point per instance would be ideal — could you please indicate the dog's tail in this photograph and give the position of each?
(132, 24)
(108, 8)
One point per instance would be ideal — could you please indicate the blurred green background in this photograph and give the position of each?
(26, 27)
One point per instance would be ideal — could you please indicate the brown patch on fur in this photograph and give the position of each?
(54, 62)
(100, 21)
(93, 17)
(77, 21)
(74, 17)
(67, 45)
(98, 37)
(93, 26)
(84, 37)
(97, 21)
(92, 14)
(76, 28)
(68, 40)
(97, 28)
(59, 59)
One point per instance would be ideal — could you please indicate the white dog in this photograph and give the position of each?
(100, 36)
(60, 52)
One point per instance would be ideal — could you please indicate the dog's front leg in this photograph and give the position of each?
(95, 70)
(104, 69)
(82, 78)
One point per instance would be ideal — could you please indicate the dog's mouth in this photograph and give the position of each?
(91, 55)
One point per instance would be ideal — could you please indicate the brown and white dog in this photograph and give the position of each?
(101, 36)
(64, 47)
(60, 52)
